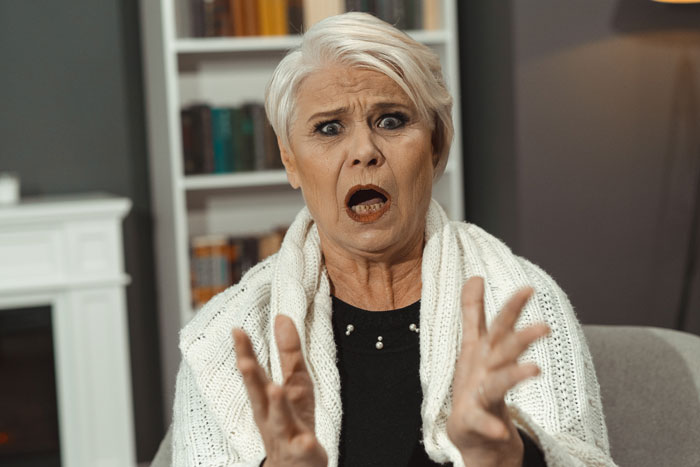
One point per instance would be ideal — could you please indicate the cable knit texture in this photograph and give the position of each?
(213, 419)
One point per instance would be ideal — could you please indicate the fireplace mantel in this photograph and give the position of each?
(66, 252)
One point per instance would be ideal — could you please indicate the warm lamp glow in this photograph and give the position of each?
(677, 1)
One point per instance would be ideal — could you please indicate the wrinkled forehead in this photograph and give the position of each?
(337, 85)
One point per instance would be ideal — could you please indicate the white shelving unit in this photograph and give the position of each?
(180, 70)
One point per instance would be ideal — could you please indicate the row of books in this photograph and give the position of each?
(227, 139)
(219, 261)
(216, 18)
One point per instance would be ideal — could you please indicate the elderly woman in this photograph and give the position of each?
(382, 333)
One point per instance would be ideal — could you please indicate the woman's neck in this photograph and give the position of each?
(378, 284)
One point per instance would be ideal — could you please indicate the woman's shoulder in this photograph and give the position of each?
(244, 305)
(498, 256)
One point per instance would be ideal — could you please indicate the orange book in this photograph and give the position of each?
(201, 271)
(265, 17)
(235, 9)
(250, 17)
(280, 18)
(245, 17)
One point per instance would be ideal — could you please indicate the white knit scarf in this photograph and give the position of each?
(453, 252)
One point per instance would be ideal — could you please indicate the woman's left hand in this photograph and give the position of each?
(480, 425)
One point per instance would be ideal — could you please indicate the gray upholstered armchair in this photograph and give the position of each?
(650, 386)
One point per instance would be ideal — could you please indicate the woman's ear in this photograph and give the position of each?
(289, 164)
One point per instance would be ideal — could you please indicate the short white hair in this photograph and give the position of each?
(364, 41)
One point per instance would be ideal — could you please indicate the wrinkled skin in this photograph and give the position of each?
(357, 127)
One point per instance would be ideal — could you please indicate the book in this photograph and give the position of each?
(222, 19)
(432, 14)
(218, 261)
(245, 15)
(258, 118)
(228, 139)
(202, 137)
(279, 12)
(316, 10)
(222, 139)
(266, 20)
(197, 18)
(191, 163)
(295, 17)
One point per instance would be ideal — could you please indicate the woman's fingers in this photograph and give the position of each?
(289, 345)
(514, 344)
(473, 318)
(253, 375)
(494, 388)
(281, 420)
(505, 320)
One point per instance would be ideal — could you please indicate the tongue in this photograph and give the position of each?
(369, 202)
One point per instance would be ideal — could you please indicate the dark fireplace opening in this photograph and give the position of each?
(28, 406)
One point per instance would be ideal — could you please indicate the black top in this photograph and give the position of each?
(380, 389)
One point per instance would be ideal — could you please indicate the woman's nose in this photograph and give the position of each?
(365, 152)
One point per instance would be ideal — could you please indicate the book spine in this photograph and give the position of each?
(247, 146)
(203, 137)
(236, 8)
(398, 14)
(222, 18)
(250, 17)
(295, 17)
(432, 14)
(197, 17)
(236, 143)
(202, 280)
(209, 18)
(280, 18)
(234, 260)
(257, 113)
(222, 139)
(220, 268)
(191, 163)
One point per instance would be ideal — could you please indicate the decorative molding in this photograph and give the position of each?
(66, 252)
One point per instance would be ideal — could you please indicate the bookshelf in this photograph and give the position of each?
(180, 70)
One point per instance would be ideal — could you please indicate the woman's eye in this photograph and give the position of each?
(391, 122)
(328, 128)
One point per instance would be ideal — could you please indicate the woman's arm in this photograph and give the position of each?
(562, 410)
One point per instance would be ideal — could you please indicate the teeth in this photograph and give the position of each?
(367, 209)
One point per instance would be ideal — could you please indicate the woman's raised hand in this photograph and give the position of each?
(284, 414)
(480, 425)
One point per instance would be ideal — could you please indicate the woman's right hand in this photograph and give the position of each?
(284, 414)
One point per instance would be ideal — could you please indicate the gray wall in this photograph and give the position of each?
(72, 121)
(584, 157)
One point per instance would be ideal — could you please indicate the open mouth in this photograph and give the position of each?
(366, 203)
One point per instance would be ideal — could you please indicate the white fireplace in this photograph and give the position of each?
(66, 252)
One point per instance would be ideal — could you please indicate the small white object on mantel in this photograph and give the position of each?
(9, 188)
(67, 252)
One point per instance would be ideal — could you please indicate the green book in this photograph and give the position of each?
(221, 139)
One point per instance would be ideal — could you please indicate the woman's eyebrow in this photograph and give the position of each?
(389, 105)
(328, 113)
(342, 110)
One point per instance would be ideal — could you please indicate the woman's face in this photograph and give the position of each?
(364, 161)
